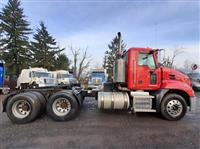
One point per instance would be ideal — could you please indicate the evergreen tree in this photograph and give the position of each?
(1, 47)
(14, 41)
(62, 62)
(111, 55)
(44, 48)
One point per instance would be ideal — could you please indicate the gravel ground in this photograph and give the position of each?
(97, 129)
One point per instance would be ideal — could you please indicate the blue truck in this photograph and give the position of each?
(97, 78)
(2, 72)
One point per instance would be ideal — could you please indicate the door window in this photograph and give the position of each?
(146, 60)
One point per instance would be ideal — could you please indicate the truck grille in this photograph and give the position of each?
(48, 81)
(96, 81)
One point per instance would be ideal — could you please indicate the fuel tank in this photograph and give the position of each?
(113, 100)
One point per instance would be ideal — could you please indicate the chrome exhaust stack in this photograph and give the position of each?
(119, 45)
(119, 64)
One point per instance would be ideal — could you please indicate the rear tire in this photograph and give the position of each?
(22, 108)
(42, 100)
(173, 107)
(62, 106)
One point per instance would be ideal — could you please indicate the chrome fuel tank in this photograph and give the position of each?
(113, 100)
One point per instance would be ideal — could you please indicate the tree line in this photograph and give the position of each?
(19, 52)
(16, 48)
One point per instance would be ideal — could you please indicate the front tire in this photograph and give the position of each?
(62, 106)
(173, 107)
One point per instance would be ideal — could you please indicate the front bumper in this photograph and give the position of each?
(193, 105)
(45, 85)
(95, 87)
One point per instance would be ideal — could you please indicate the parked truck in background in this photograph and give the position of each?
(4, 89)
(63, 77)
(2, 74)
(140, 84)
(34, 77)
(97, 77)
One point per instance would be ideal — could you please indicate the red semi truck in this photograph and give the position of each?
(140, 84)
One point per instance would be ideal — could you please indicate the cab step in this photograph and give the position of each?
(142, 102)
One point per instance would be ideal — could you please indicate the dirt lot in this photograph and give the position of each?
(96, 129)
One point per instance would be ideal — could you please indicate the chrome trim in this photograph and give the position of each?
(112, 102)
(102, 101)
(126, 102)
(193, 101)
(134, 72)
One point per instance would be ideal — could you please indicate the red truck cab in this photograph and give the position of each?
(144, 73)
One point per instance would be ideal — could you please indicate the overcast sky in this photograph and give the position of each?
(93, 24)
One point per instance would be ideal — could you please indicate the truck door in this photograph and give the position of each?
(148, 75)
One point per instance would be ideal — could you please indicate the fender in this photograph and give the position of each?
(177, 85)
(78, 95)
(5, 100)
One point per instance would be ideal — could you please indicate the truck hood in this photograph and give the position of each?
(171, 74)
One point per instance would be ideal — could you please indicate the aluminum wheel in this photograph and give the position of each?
(61, 106)
(174, 108)
(21, 109)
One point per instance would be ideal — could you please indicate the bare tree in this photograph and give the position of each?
(187, 64)
(176, 52)
(83, 64)
(75, 53)
(169, 62)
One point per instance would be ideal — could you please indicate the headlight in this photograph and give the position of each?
(39, 80)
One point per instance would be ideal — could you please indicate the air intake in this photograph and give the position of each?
(172, 77)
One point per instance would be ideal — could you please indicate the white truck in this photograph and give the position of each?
(35, 77)
(63, 77)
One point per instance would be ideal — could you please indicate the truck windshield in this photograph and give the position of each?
(41, 74)
(67, 76)
(98, 75)
(147, 60)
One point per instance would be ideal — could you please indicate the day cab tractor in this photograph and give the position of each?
(97, 78)
(34, 77)
(140, 84)
(63, 77)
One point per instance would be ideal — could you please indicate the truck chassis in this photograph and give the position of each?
(62, 103)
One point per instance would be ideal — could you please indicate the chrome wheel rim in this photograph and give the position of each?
(61, 106)
(174, 108)
(21, 108)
